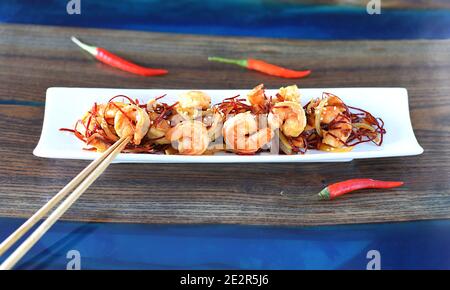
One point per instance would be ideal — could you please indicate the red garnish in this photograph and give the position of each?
(122, 96)
(233, 106)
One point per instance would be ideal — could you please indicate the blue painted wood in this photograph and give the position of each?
(412, 245)
(22, 103)
(236, 17)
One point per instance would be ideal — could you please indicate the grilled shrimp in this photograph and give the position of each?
(99, 119)
(242, 135)
(290, 93)
(331, 112)
(191, 104)
(101, 115)
(189, 137)
(213, 121)
(158, 129)
(88, 123)
(289, 116)
(159, 126)
(132, 120)
(257, 99)
(105, 117)
(338, 131)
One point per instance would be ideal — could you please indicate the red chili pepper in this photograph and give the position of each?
(264, 67)
(340, 188)
(113, 60)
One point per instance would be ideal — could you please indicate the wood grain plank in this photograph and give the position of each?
(44, 57)
(34, 58)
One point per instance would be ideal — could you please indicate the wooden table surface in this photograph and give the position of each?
(33, 58)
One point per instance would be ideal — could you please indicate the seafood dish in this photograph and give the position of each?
(244, 125)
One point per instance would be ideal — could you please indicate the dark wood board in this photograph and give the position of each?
(33, 58)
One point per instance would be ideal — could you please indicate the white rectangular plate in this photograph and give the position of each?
(64, 106)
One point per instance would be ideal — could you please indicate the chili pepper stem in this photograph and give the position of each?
(89, 48)
(240, 62)
(324, 193)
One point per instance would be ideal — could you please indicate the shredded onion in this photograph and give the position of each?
(364, 126)
(284, 145)
(328, 148)
(317, 114)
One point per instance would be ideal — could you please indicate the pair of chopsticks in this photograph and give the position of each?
(77, 186)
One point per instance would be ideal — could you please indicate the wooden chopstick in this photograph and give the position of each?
(8, 242)
(79, 185)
